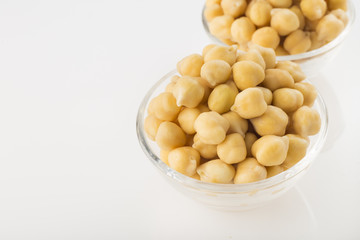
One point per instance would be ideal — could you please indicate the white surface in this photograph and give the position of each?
(72, 75)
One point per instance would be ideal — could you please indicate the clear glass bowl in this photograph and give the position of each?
(232, 197)
(313, 61)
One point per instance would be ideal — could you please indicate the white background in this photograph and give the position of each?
(72, 75)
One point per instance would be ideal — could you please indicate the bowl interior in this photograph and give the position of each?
(152, 151)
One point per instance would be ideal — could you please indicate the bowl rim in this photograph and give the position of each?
(351, 10)
(227, 188)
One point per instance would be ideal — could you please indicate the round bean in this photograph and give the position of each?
(270, 150)
(250, 103)
(190, 65)
(222, 97)
(247, 74)
(216, 72)
(184, 160)
(187, 118)
(211, 127)
(306, 121)
(272, 122)
(220, 26)
(249, 171)
(170, 136)
(266, 37)
(234, 8)
(232, 149)
(216, 171)
(188, 92)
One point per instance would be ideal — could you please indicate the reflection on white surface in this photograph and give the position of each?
(308, 207)
(336, 121)
(290, 216)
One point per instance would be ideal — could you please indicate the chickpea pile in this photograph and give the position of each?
(232, 116)
(288, 26)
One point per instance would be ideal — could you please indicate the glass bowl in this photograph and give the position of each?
(313, 61)
(230, 197)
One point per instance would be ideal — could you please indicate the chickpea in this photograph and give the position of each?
(170, 136)
(337, 4)
(188, 92)
(228, 54)
(211, 127)
(185, 160)
(190, 65)
(207, 48)
(164, 156)
(242, 29)
(222, 98)
(270, 150)
(208, 151)
(329, 28)
(277, 78)
(313, 9)
(295, 9)
(280, 51)
(164, 107)
(237, 124)
(274, 170)
(187, 119)
(266, 37)
(306, 121)
(259, 12)
(272, 122)
(220, 26)
(297, 42)
(250, 138)
(234, 8)
(315, 42)
(341, 15)
(170, 87)
(268, 95)
(249, 171)
(247, 74)
(281, 3)
(284, 21)
(309, 92)
(212, 12)
(297, 150)
(216, 171)
(293, 68)
(151, 125)
(268, 55)
(250, 103)
(216, 72)
(209, 3)
(288, 99)
(252, 55)
(232, 149)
